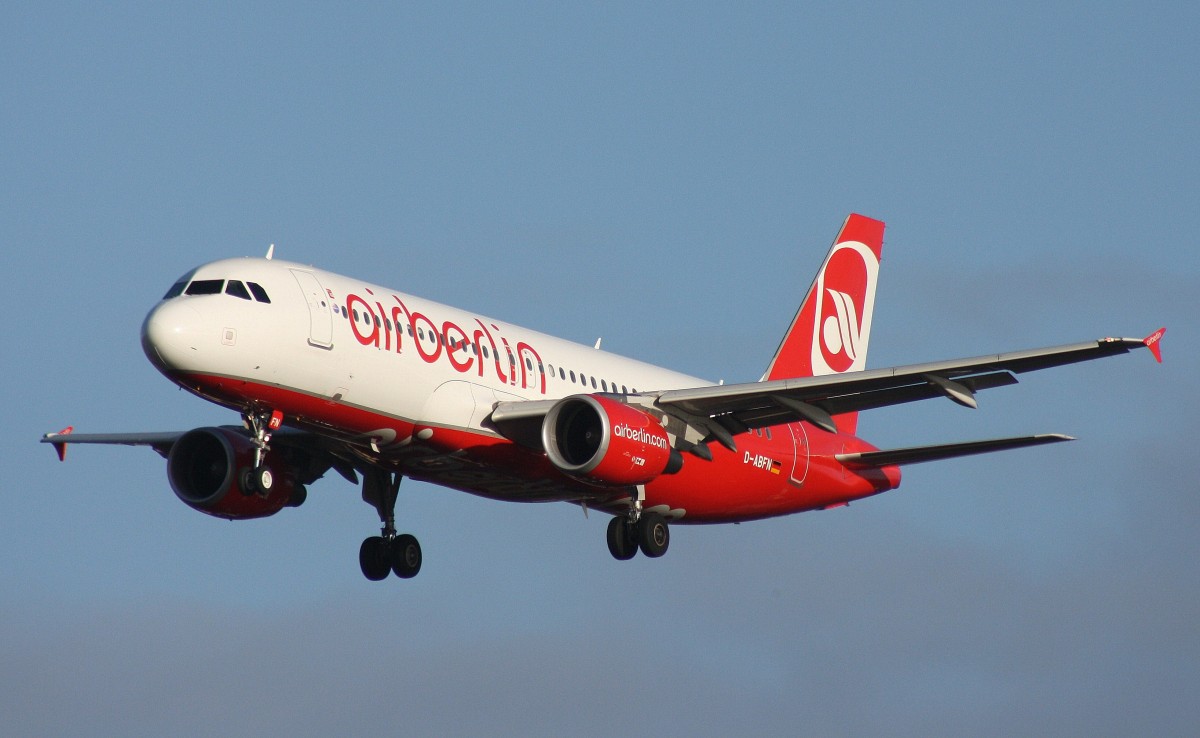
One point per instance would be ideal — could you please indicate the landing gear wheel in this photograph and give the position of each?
(263, 479)
(246, 478)
(405, 556)
(374, 558)
(622, 538)
(653, 535)
(257, 480)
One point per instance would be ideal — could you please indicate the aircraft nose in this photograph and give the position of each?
(171, 335)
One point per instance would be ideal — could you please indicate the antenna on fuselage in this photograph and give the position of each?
(270, 251)
(598, 340)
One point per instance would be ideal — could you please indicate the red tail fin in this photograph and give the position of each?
(832, 328)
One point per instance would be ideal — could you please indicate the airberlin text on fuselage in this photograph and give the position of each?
(641, 436)
(466, 352)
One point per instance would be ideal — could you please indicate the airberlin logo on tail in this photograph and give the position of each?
(639, 435)
(845, 292)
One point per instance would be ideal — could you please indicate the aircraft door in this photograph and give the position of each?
(320, 332)
(800, 445)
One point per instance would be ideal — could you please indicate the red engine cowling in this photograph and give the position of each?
(206, 469)
(606, 442)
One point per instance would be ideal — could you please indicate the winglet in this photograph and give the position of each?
(1152, 342)
(61, 446)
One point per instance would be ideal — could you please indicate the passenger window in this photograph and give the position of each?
(604, 385)
(259, 293)
(176, 289)
(237, 289)
(561, 375)
(206, 287)
(572, 375)
(593, 383)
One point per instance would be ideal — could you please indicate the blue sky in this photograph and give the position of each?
(666, 177)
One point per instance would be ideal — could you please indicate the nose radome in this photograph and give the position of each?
(170, 335)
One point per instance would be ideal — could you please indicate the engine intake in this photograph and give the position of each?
(205, 468)
(606, 442)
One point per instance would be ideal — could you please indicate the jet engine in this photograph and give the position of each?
(210, 470)
(605, 442)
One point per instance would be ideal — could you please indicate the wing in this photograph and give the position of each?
(741, 407)
(160, 442)
(722, 411)
(321, 453)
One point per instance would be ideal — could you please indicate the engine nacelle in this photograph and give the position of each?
(606, 442)
(207, 469)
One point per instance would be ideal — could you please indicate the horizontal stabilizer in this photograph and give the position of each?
(917, 454)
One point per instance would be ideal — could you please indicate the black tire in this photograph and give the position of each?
(299, 495)
(653, 535)
(374, 559)
(405, 556)
(622, 543)
(246, 482)
(264, 479)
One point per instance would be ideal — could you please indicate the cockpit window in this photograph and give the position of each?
(259, 293)
(176, 289)
(206, 287)
(237, 289)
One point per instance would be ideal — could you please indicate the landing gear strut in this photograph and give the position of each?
(387, 553)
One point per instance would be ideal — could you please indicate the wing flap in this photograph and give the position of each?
(919, 454)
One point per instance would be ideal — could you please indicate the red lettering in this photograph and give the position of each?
(387, 332)
(429, 358)
(457, 343)
(526, 353)
(397, 312)
(366, 339)
(495, 353)
(464, 352)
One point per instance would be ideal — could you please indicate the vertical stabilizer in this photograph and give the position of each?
(832, 328)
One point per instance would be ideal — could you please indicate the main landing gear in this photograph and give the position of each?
(638, 530)
(649, 533)
(387, 553)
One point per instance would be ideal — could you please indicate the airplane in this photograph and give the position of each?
(330, 372)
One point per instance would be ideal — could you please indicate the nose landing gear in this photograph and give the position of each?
(259, 479)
